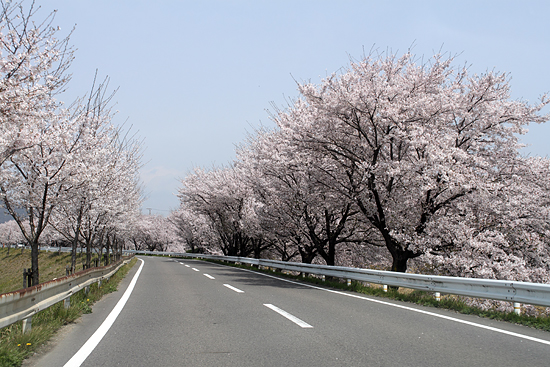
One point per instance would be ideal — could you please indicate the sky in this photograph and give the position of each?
(194, 78)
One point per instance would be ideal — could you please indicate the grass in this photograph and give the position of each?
(16, 346)
(449, 302)
(51, 265)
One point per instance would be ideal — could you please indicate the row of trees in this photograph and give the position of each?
(65, 168)
(388, 162)
(155, 233)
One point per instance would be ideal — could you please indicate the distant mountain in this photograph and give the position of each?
(5, 217)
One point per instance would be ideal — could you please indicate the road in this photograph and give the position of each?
(193, 313)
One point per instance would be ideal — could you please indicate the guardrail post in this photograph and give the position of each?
(27, 278)
(323, 277)
(87, 289)
(385, 287)
(27, 324)
(349, 282)
(437, 296)
(67, 302)
(517, 308)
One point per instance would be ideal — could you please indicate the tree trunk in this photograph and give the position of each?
(399, 263)
(88, 254)
(34, 263)
(75, 241)
(107, 253)
(73, 255)
(257, 247)
(119, 245)
(307, 255)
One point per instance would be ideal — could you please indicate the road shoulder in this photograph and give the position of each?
(68, 340)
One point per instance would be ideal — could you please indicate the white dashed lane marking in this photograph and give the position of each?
(292, 318)
(233, 288)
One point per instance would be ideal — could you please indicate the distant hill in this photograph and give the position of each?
(5, 217)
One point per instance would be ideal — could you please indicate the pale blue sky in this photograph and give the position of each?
(195, 76)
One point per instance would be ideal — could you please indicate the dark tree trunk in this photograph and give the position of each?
(34, 261)
(307, 253)
(107, 251)
(399, 263)
(88, 254)
(257, 247)
(120, 247)
(75, 240)
(73, 254)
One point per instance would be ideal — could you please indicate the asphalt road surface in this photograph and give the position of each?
(193, 313)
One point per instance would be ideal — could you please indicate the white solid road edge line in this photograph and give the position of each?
(94, 340)
(292, 318)
(481, 326)
(233, 288)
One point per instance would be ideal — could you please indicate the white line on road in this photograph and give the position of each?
(502, 331)
(233, 288)
(292, 318)
(187, 266)
(195, 269)
(94, 340)
(209, 276)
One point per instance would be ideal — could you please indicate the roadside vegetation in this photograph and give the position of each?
(16, 346)
(52, 265)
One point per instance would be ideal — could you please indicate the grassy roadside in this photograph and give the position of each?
(449, 302)
(16, 346)
(52, 265)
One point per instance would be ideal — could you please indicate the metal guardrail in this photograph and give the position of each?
(503, 290)
(24, 303)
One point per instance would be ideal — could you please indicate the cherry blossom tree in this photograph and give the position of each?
(506, 233)
(38, 178)
(154, 233)
(58, 164)
(94, 158)
(33, 66)
(413, 145)
(223, 196)
(10, 234)
(192, 229)
(297, 204)
(33, 69)
(109, 206)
